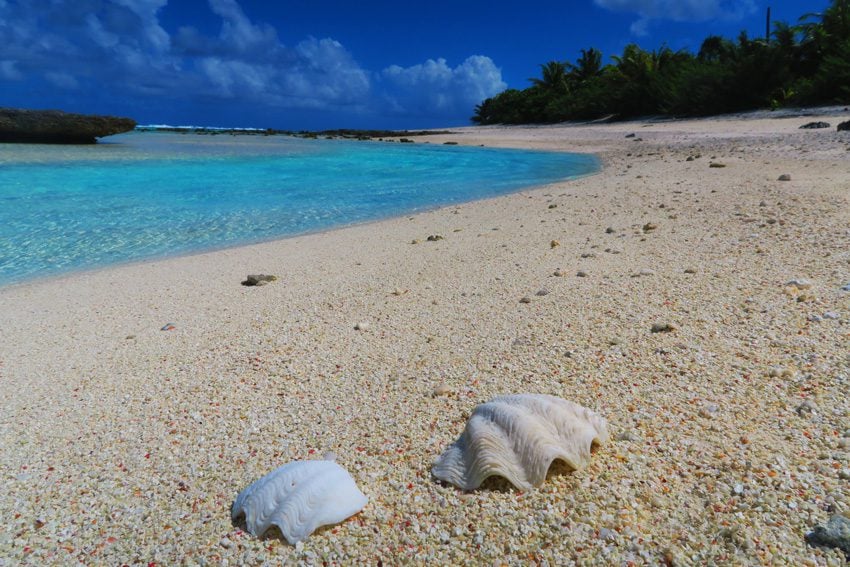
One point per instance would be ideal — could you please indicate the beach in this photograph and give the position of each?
(730, 429)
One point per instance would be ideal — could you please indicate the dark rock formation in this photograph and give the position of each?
(836, 533)
(258, 279)
(814, 125)
(56, 127)
(845, 126)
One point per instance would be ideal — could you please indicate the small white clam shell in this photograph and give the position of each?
(298, 498)
(518, 437)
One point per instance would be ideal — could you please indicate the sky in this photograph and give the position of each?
(323, 64)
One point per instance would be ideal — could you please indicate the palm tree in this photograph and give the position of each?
(828, 28)
(554, 78)
(716, 49)
(587, 66)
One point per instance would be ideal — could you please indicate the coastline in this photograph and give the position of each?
(29, 259)
(153, 436)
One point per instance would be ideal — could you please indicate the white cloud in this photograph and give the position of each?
(679, 10)
(119, 49)
(433, 86)
(147, 10)
(238, 31)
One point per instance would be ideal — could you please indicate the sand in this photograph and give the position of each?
(122, 443)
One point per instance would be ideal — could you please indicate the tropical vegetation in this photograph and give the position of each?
(797, 65)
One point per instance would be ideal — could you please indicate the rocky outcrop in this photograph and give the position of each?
(56, 127)
(844, 126)
(814, 125)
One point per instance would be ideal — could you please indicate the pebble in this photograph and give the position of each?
(844, 474)
(581, 274)
(607, 534)
(784, 177)
(646, 272)
(627, 436)
(225, 543)
(778, 371)
(168, 327)
(610, 230)
(716, 164)
(441, 390)
(362, 326)
(258, 279)
(650, 226)
(329, 456)
(525, 299)
(662, 328)
(799, 283)
(435, 238)
(542, 292)
(592, 255)
(846, 287)
(806, 408)
(836, 533)
(708, 411)
(690, 271)
(558, 273)
(831, 315)
(554, 244)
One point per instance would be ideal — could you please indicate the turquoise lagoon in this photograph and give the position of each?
(143, 196)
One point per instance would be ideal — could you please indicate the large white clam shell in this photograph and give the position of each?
(298, 498)
(518, 437)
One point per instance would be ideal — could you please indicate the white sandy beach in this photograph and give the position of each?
(122, 443)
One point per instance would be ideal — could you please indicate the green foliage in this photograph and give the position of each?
(808, 63)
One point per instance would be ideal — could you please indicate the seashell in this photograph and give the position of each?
(518, 437)
(298, 498)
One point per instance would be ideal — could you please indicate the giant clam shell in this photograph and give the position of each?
(298, 498)
(518, 437)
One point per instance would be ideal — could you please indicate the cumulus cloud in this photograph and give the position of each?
(434, 86)
(679, 10)
(120, 47)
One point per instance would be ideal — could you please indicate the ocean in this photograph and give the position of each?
(149, 195)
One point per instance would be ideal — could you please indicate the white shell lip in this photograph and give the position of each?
(298, 498)
(518, 437)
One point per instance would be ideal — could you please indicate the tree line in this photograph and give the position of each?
(797, 65)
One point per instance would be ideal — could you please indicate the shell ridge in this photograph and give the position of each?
(494, 453)
(518, 437)
(298, 498)
(529, 421)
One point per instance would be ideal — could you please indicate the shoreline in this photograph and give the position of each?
(398, 210)
(152, 433)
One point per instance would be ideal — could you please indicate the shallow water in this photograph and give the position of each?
(152, 195)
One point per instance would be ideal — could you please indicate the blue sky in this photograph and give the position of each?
(316, 64)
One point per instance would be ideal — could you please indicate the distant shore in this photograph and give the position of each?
(127, 443)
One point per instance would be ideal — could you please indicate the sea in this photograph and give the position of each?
(149, 195)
